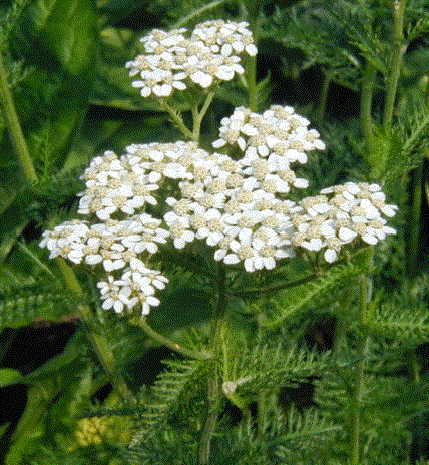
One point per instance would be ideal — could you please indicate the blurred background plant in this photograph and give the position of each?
(304, 363)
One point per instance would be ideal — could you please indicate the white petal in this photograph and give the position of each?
(369, 239)
(219, 254)
(330, 256)
(231, 259)
(301, 183)
(346, 234)
(226, 50)
(252, 50)
(249, 265)
(93, 259)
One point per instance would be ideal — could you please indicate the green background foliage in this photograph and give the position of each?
(335, 62)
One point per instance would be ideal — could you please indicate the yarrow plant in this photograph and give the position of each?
(235, 199)
(245, 231)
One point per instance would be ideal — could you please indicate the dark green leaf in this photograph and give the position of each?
(58, 39)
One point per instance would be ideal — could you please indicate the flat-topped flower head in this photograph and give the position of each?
(175, 60)
(341, 215)
(228, 37)
(279, 135)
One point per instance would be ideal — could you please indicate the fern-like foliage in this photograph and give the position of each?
(284, 438)
(27, 305)
(267, 368)
(167, 447)
(170, 392)
(332, 34)
(407, 144)
(408, 325)
(291, 301)
(418, 19)
(387, 401)
(357, 22)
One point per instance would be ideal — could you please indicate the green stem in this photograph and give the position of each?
(366, 104)
(15, 132)
(323, 96)
(195, 122)
(213, 394)
(262, 399)
(398, 53)
(177, 119)
(358, 388)
(356, 406)
(414, 226)
(342, 323)
(141, 322)
(251, 68)
(414, 366)
(98, 341)
(197, 12)
(197, 116)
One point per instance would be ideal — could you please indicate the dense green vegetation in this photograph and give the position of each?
(308, 348)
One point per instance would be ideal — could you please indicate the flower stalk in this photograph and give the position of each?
(365, 290)
(398, 53)
(251, 69)
(177, 119)
(213, 393)
(198, 115)
(366, 105)
(142, 323)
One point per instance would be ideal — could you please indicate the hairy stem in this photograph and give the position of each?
(15, 132)
(213, 393)
(355, 407)
(366, 104)
(398, 53)
(197, 12)
(321, 106)
(251, 68)
(177, 119)
(342, 326)
(197, 116)
(141, 322)
(413, 242)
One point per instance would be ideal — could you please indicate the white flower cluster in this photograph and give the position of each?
(209, 55)
(271, 142)
(339, 215)
(237, 206)
(116, 245)
(117, 190)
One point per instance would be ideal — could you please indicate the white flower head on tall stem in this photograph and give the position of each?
(210, 54)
